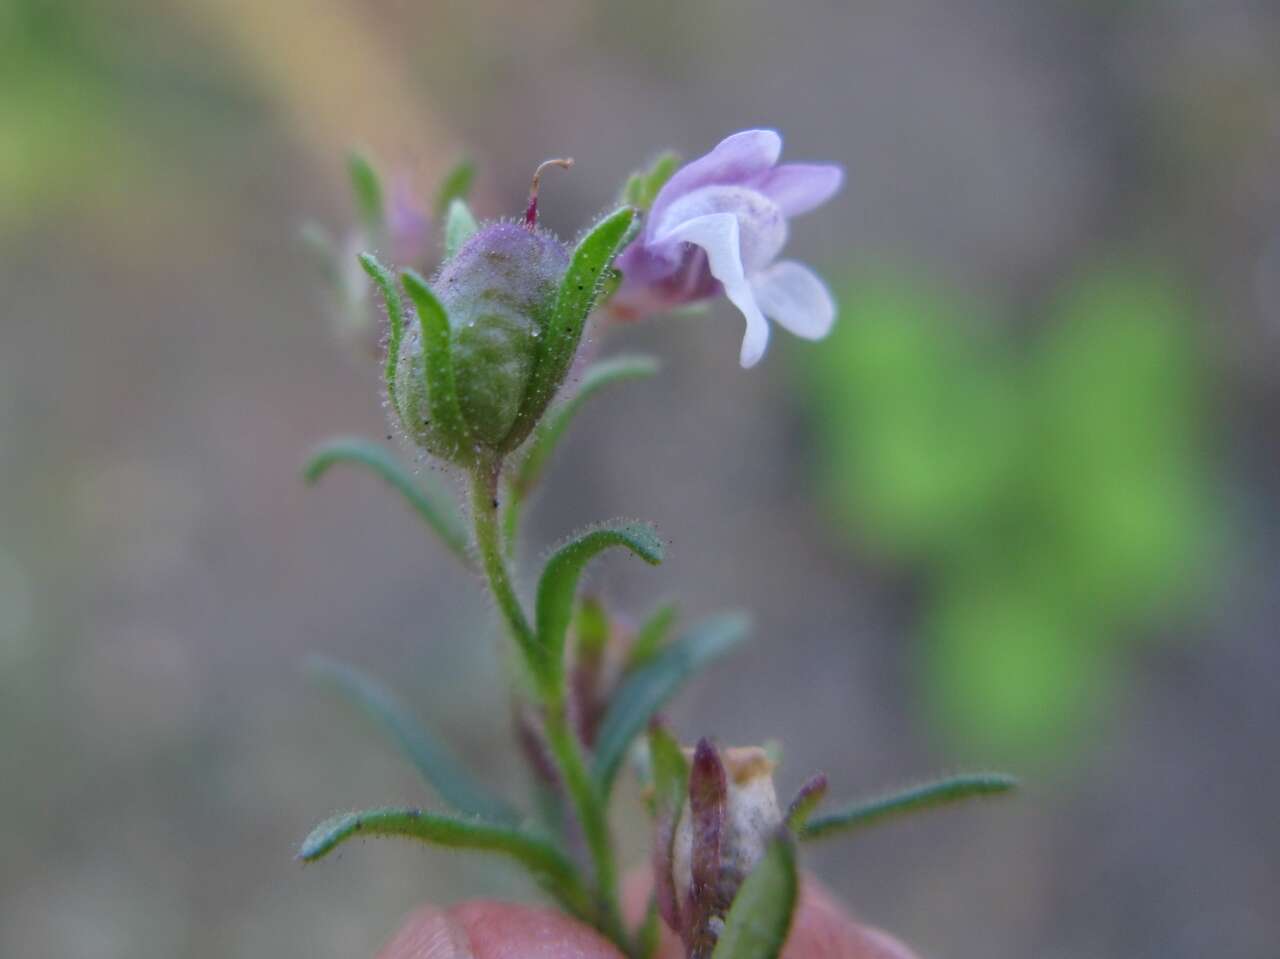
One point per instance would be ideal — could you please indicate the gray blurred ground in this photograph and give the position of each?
(164, 366)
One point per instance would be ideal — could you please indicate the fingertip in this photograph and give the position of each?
(500, 930)
(824, 930)
(428, 933)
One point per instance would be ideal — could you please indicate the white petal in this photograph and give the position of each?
(717, 234)
(795, 298)
(762, 229)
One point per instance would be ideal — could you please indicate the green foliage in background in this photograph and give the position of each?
(52, 107)
(1049, 488)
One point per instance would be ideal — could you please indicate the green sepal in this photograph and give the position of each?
(575, 299)
(546, 863)
(643, 185)
(644, 691)
(437, 371)
(459, 226)
(651, 635)
(559, 583)
(385, 281)
(942, 792)
(760, 918)
(551, 429)
(427, 497)
(366, 189)
(456, 185)
(433, 761)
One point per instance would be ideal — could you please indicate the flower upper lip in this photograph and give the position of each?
(719, 223)
(750, 159)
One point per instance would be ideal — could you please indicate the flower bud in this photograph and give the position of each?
(726, 824)
(499, 292)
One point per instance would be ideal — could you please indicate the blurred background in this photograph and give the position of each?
(1019, 512)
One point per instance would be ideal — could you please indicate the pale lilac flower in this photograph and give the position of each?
(719, 224)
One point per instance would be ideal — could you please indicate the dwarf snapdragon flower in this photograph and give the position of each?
(719, 224)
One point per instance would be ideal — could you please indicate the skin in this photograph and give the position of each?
(496, 930)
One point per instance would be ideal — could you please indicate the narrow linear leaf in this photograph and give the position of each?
(651, 635)
(559, 582)
(670, 789)
(576, 298)
(437, 363)
(670, 771)
(459, 225)
(366, 188)
(431, 502)
(760, 917)
(932, 794)
(643, 692)
(591, 628)
(455, 185)
(542, 859)
(385, 282)
(429, 756)
(549, 432)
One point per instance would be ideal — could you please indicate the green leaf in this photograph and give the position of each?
(429, 756)
(760, 917)
(591, 626)
(921, 797)
(652, 634)
(385, 282)
(670, 772)
(366, 188)
(455, 186)
(575, 300)
(458, 227)
(547, 436)
(644, 691)
(559, 582)
(542, 859)
(806, 801)
(437, 368)
(431, 502)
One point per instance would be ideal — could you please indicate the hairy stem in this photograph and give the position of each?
(511, 520)
(564, 745)
(567, 751)
(484, 516)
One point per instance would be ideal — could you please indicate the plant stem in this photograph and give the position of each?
(511, 519)
(582, 790)
(564, 745)
(484, 516)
